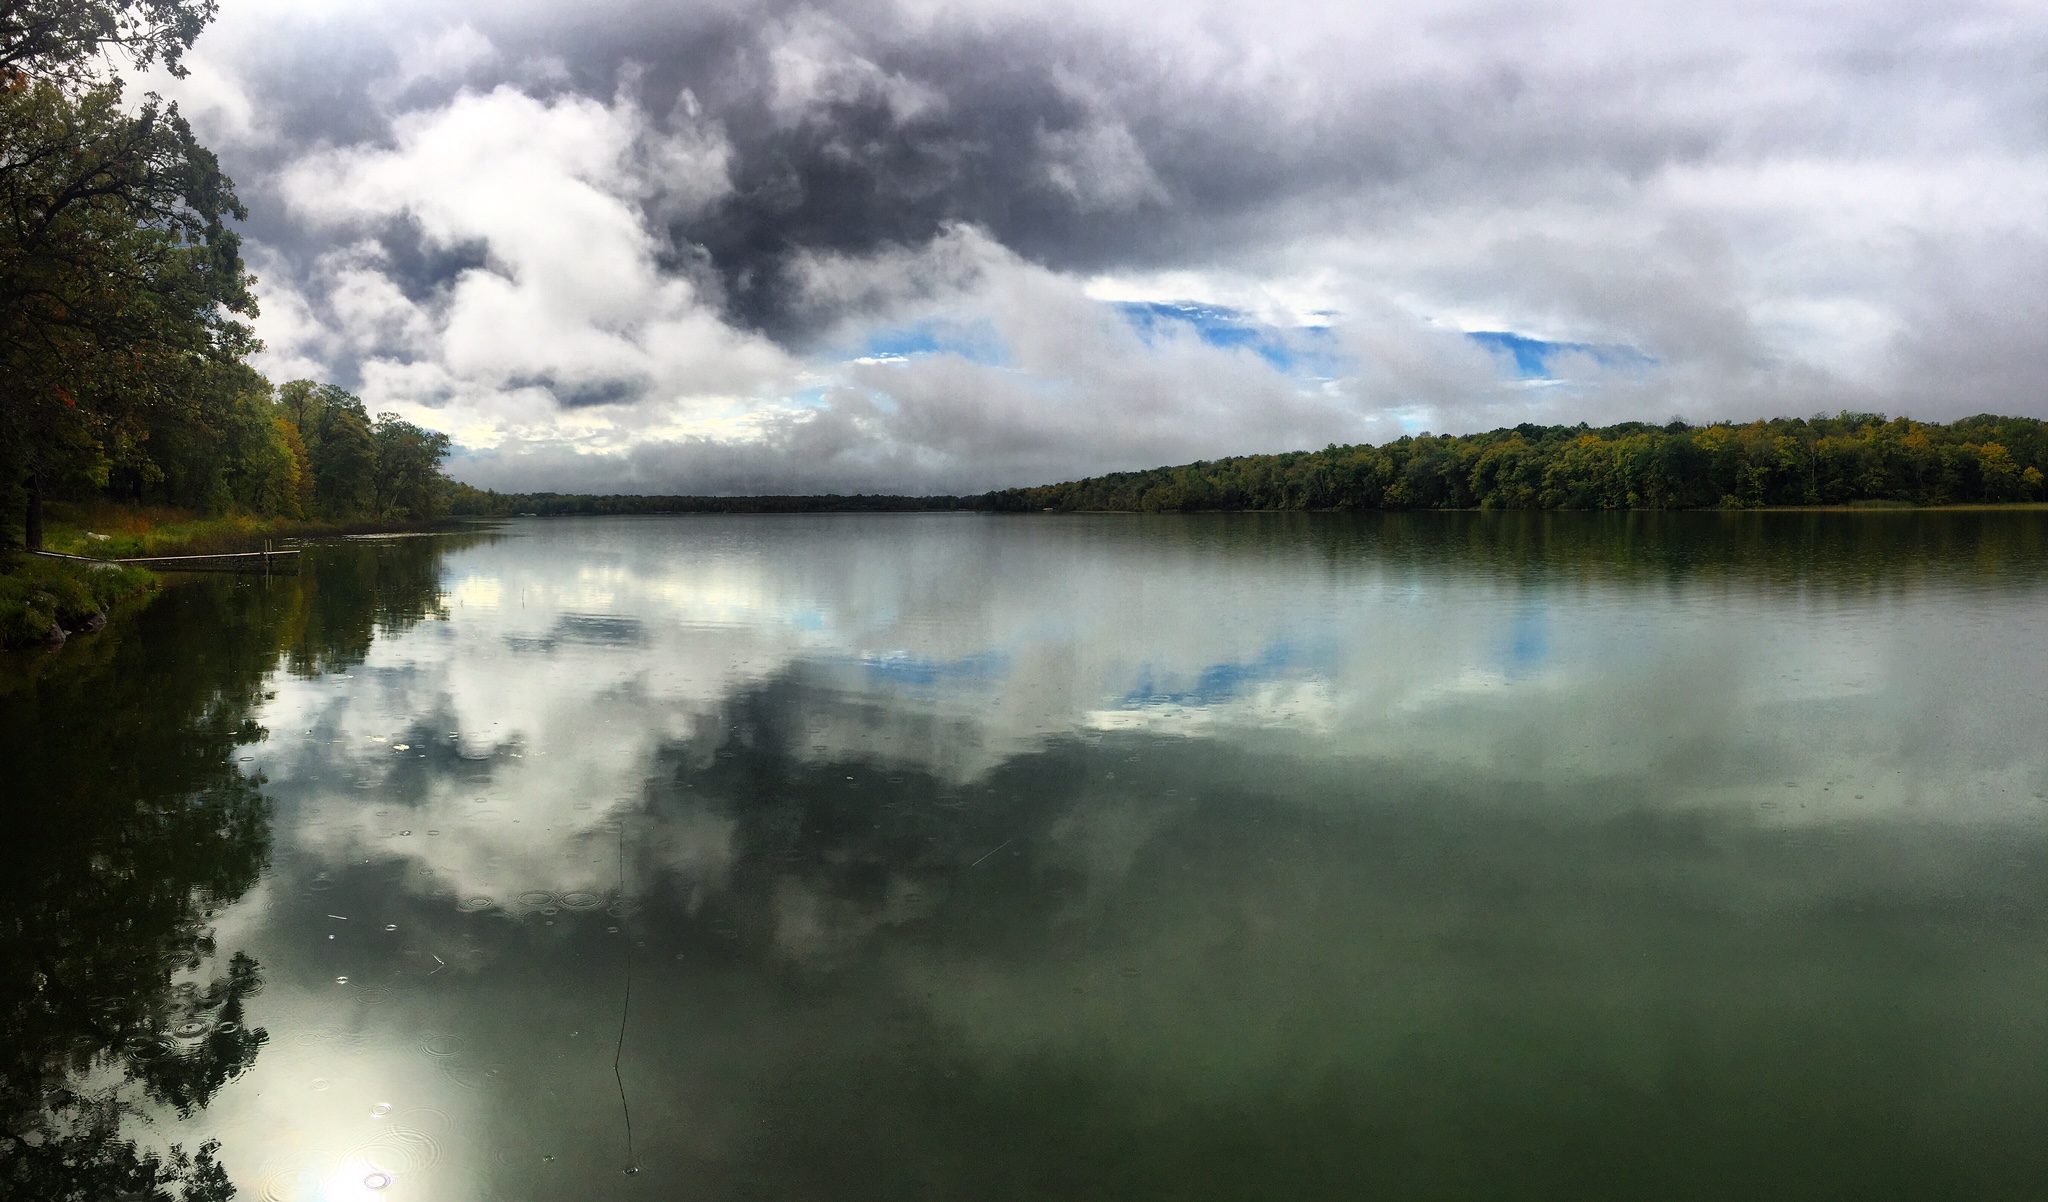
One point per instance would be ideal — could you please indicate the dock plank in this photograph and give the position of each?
(226, 561)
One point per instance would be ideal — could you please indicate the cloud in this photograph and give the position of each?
(455, 52)
(569, 292)
(1072, 386)
(1971, 341)
(1100, 166)
(813, 70)
(670, 226)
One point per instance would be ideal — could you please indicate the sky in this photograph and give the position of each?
(900, 246)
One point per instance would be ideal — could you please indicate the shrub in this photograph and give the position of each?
(41, 596)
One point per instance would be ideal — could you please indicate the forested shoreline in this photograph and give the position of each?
(1846, 459)
(124, 305)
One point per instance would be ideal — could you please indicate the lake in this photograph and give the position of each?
(1400, 856)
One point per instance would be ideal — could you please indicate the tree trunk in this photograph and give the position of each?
(32, 527)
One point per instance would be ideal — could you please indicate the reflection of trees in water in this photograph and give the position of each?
(348, 592)
(129, 826)
(1837, 553)
(184, 1043)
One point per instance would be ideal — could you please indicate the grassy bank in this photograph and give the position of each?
(109, 531)
(43, 601)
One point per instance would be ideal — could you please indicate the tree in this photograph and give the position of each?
(77, 42)
(119, 278)
(2000, 475)
(300, 503)
(341, 449)
(408, 481)
(260, 471)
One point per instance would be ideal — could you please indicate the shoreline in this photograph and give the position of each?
(233, 535)
(46, 600)
(1849, 507)
(1846, 507)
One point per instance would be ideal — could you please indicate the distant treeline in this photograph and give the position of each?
(476, 502)
(1851, 457)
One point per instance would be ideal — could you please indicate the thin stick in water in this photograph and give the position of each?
(625, 1006)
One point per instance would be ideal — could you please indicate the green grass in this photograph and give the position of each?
(41, 597)
(105, 530)
(126, 532)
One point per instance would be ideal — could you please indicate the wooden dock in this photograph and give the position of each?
(265, 562)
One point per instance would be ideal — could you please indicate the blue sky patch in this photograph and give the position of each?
(1528, 646)
(1297, 348)
(1532, 357)
(919, 672)
(1312, 349)
(977, 341)
(1306, 350)
(1221, 682)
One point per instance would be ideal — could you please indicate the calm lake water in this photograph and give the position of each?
(960, 857)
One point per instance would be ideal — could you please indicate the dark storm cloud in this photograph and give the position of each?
(572, 393)
(1073, 147)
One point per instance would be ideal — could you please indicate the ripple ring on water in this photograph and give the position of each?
(400, 1151)
(468, 1079)
(425, 1120)
(290, 1185)
(477, 904)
